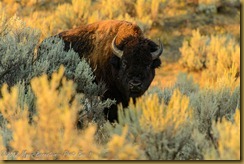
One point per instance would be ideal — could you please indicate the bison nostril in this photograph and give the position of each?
(135, 83)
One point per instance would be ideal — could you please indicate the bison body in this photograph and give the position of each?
(120, 56)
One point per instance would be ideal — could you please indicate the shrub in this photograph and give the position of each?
(209, 7)
(149, 129)
(70, 15)
(206, 52)
(112, 9)
(209, 105)
(213, 6)
(18, 39)
(184, 83)
(227, 134)
(53, 134)
(10, 7)
(162, 131)
(17, 42)
(218, 57)
(51, 55)
(194, 52)
(62, 17)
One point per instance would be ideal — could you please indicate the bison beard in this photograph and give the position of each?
(121, 57)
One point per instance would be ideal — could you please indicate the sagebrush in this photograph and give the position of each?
(50, 107)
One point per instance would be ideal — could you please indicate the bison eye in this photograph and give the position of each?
(149, 66)
(124, 64)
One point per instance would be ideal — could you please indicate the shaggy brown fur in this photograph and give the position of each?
(93, 41)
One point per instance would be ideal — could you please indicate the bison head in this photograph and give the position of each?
(134, 63)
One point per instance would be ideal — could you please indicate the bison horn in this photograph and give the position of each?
(116, 51)
(158, 52)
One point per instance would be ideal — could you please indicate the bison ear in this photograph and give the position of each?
(156, 63)
(115, 62)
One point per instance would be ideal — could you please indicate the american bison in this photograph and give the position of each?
(120, 55)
